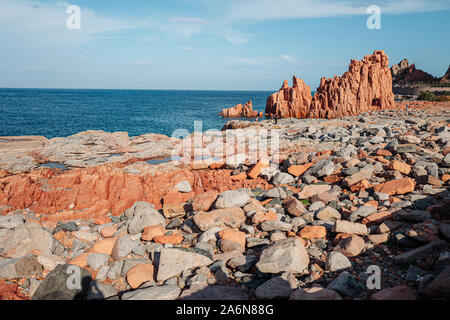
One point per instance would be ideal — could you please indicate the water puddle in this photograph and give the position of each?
(162, 160)
(53, 165)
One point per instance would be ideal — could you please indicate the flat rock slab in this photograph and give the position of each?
(205, 292)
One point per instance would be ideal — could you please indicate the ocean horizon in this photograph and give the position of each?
(64, 112)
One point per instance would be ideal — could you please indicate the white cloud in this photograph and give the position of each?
(192, 49)
(288, 58)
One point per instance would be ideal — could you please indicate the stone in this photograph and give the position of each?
(173, 261)
(255, 171)
(378, 238)
(100, 291)
(243, 263)
(346, 285)
(284, 256)
(97, 260)
(358, 177)
(440, 286)
(49, 262)
(342, 226)
(230, 246)
(140, 274)
(232, 198)
(233, 235)
(351, 246)
(123, 247)
(262, 216)
(282, 178)
(294, 207)
(23, 267)
(204, 201)
(398, 186)
(241, 111)
(144, 215)
(278, 192)
(166, 239)
(313, 232)
(152, 231)
(175, 210)
(205, 292)
(275, 225)
(321, 168)
(108, 231)
(315, 293)
(54, 286)
(420, 252)
(26, 239)
(183, 186)
(105, 246)
(428, 179)
(395, 293)
(275, 288)
(362, 212)
(400, 166)
(336, 261)
(164, 292)
(377, 218)
(11, 222)
(312, 190)
(328, 214)
(229, 217)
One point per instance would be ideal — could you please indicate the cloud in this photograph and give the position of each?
(291, 9)
(192, 49)
(288, 58)
(189, 20)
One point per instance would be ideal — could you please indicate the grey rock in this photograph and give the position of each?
(144, 215)
(97, 260)
(287, 255)
(275, 288)
(278, 192)
(275, 225)
(282, 178)
(100, 291)
(204, 292)
(362, 212)
(421, 252)
(11, 222)
(24, 267)
(165, 292)
(322, 168)
(184, 186)
(232, 198)
(336, 261)
(243, 263)
(123, 247)
(346, 285)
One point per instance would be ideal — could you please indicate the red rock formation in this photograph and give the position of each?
(94, 192)
(290, 101)
(403, 73)
(446, 77)
(366, 86)
(241, 111)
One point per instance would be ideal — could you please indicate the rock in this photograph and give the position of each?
(243, 263)
(400, 166)
(140, 274)
(313, 232)
(175, 210)
(153, 231)
(49, 262)
(312, 190)
(123, 247)
(24, 267)
(255, 171)
(328, 214)
(282, 178)
(11, 222)
(183, 186)
(315, 293)
(421, 252)
(232, 198)
(116, 270)
(144, 215)
(205, 292)
(228, 245)
(286, 255)
(97, 260)
(278, 192)
(322, 168)
(165, 292)
(173, 261)
(351, 246)
(362, 212)
(336, 261)
(378, 238)
(54, 286)
(342, 226)
(395, 293)
(172, 239)
(275, 225)
(241, 111)
(275, 288)
(229, 217)
(427, 179)
(357, 177)
(105, 246)
(100, 291)
(204, 201)
(346, 285)
(440, 286)
(25, 239)
(294, 207)
(233, 235)
(398, 186)
(262, 216)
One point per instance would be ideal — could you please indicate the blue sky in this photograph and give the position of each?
(211, 44)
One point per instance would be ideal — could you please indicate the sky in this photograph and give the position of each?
(211, 44)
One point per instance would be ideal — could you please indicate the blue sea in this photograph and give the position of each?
(63, 112)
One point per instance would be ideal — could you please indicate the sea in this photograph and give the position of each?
(64, 112)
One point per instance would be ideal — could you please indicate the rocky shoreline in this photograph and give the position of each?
(349, 195)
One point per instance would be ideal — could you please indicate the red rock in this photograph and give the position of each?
(262, 216)
(204, 201)
(313, 232)
(10, 291)
(153, 231)
(366, 86)
(395, 293)
(233, 235)
(241, 111)
(80, 260)
(108, 231)
(351, 246)
(398, 186)
(255, 171)
(383, 152)
(298, 170)
(445, 151)
(104, 246)
(240, 176)
(400, 167)
(173, 239)
(140, 274)
(377, 218)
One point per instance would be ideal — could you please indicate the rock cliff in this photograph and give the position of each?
(241, 111)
